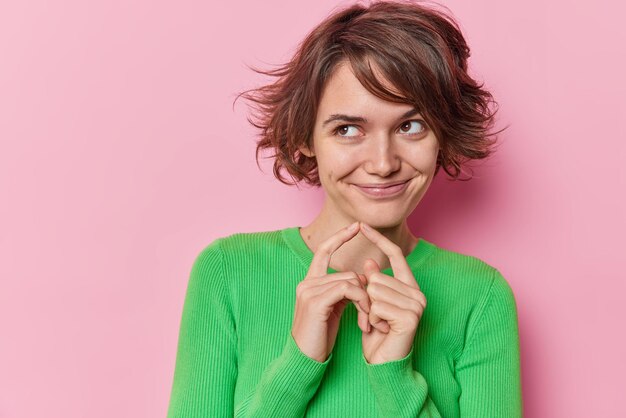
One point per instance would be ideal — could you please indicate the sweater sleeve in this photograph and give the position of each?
(400, 390)
(287, 385)
(206, 368)
(206, 360)
(488, 370)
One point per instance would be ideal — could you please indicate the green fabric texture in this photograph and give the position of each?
(236, 356)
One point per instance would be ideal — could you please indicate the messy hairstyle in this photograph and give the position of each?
(420, 50)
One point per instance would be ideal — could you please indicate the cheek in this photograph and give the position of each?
(335, 164)
(425, 156)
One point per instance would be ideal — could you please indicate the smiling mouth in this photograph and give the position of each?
(382, 192)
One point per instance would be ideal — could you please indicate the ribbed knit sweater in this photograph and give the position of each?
(237, 358)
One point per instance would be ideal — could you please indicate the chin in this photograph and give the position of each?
(382, 221)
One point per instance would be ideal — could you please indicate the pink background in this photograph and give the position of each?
(121, 158)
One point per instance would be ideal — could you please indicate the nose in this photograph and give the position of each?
(382, 157)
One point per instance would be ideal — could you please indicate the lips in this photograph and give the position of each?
(381, 185)
(382, 191)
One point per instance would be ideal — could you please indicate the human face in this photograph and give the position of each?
(387, 144)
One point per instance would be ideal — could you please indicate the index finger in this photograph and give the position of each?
(401, 269)
(321, 257)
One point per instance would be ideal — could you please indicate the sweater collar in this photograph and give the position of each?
(296, 243)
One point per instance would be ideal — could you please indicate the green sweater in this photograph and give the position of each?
(236, 356)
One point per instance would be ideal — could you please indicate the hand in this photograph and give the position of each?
(322, 297)
(396, 300)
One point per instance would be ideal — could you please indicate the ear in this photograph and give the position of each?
(306, 151)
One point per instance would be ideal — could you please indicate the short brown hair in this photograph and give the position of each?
(420, 50)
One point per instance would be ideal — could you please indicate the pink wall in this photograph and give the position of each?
(120, 152)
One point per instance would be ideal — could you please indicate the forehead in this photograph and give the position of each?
(344, 92)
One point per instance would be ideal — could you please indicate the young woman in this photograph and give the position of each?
(353, 315)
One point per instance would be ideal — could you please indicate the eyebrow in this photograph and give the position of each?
(338, 116)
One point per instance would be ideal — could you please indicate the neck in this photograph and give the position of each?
(351, 255)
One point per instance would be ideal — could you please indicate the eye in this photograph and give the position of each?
(420, 125)
(342, 129)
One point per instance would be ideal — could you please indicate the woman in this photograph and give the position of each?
(353, 315)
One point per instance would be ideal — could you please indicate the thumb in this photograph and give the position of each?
(370, 266)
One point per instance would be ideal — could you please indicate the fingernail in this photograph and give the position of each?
(366, 227)
(353, 226)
